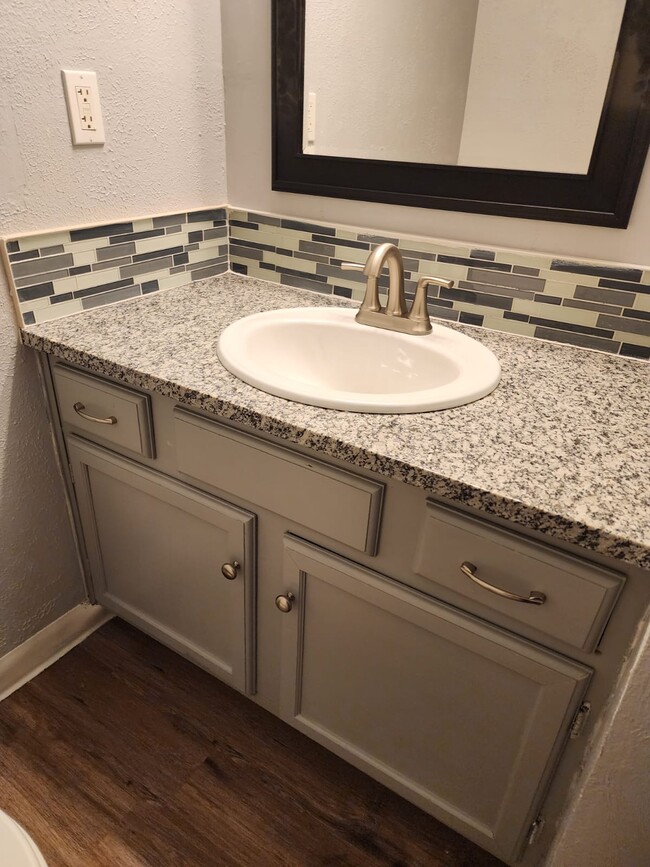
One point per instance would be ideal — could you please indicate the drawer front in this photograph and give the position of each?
(330, 501)
(579, 596)
(88, 404)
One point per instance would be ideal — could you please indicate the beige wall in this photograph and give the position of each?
(160, 80)
(247, 69)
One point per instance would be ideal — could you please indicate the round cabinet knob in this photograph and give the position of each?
(285, 603)
(230, 570)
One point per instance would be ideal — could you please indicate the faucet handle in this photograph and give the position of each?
(419, 313)
(352, 266)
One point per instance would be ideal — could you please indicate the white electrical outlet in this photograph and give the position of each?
(84, 110)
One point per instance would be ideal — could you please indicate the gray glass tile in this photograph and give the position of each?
(342, 291)
(518, 281)
(59, 299)
(377, 239)
(243, 224)
(611, 272)
(528, 272)
(177, 269)
(591, 305)
(40, 265)
(298, 273)
(110, 297)
(548, 299)
(238, 268)
(149, 286)
(506, 291)
(341, 242)
(115, 251)
(28, 318)
(418, 254)
(171, 220)
(470, 318)
(623, 323)
(482, 254)
(137, 236)
(583, 340)
(518, 317)
(254, 245)
(265, 219)
(209, 234)
(313, 247)
(195, 236)
(632, 351)
(307, 227)
(460, 260)
(103, 287)
(21, 257)
(41, 278)
(245, 252)
(13, 247)
(313, 257)
(481, 299)
(208, 260)
(630, 287)
(189, 247)
(571, 326)
(211, 271)
(146, 267)
(605, 296)
(157, 254)
(51, 251)
(80, 269)
(181, 258)
(441, 313)
(304, 283)
(634, 314)
(333, 271)
(42, 290)
(204, 216)
(173, 230)
(436, 303)
(101, 231)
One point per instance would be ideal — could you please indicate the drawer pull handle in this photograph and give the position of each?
(285, 603)
(534, 597)
(230, 570)
(79, 409)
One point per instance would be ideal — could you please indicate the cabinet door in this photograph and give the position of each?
(156, 548)
(458, 716)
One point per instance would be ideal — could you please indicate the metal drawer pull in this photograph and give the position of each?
(534, 597)
(285, 603)
(79, 409)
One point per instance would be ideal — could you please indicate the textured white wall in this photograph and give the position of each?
(161, 86)
(410, 63)
(519, 113)
(247, 70)
(608, 822)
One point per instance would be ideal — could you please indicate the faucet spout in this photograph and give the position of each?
(385, 254)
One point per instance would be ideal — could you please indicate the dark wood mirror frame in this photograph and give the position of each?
(603, 197)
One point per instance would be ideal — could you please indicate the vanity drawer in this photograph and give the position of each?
(100, 401)
(579, 595)
(338, 504)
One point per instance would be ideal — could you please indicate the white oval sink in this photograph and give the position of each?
(323, 357)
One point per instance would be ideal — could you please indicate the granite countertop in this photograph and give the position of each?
(562, 446)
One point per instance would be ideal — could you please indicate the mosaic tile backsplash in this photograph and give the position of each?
(588, 304)
(63, 272)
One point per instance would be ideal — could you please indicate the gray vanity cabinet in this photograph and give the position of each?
(156, 549)
(461, 717)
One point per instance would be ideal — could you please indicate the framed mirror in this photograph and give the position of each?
(508, 107)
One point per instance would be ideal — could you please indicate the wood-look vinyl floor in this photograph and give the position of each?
(124, 754)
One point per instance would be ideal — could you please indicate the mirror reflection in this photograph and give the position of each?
(511, 84)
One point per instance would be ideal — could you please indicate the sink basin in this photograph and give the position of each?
(321, 356)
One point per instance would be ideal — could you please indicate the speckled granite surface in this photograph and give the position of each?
(562, 446)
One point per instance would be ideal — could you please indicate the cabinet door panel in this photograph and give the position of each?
(156, 548)
(462, 718)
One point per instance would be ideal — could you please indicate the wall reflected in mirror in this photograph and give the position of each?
(504, 84)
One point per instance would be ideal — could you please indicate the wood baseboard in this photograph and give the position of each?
(31, 657)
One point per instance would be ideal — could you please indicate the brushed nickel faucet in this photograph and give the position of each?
(394, 316)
